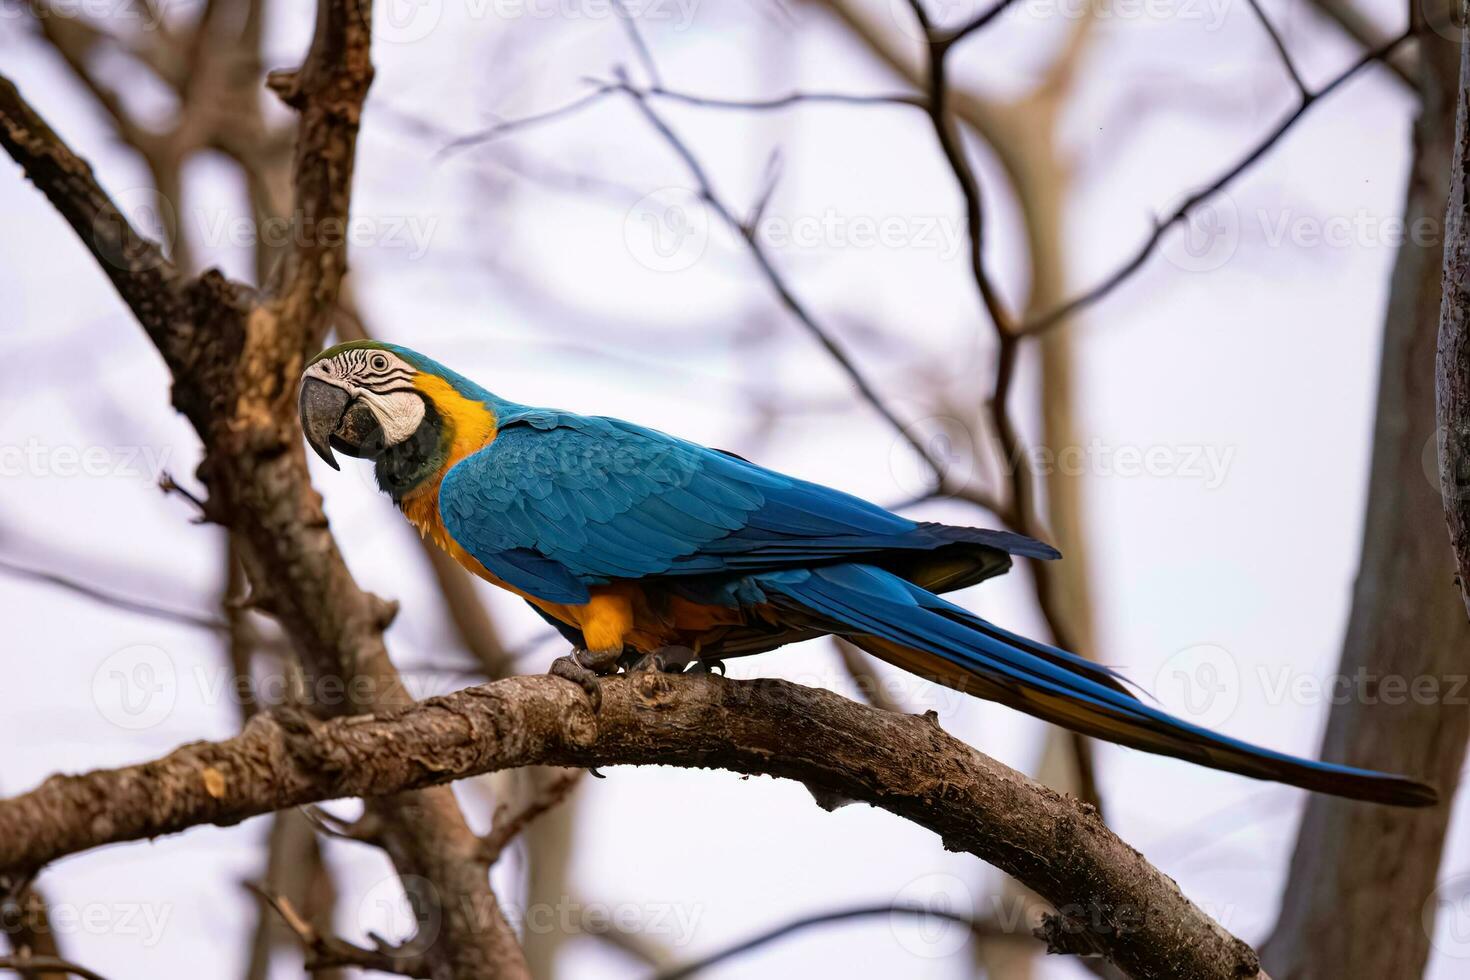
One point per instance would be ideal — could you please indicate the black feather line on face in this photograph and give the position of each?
(418, 458)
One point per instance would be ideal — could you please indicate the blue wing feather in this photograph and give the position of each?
(604, 499)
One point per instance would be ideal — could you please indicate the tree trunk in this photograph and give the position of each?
(1452, 371)
(1361, 874)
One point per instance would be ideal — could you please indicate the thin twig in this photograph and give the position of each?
(635, 37)
(778, 283)
(366, 829)
(1020, 512)
(602, 89)
(978, 928)
(1280, 45)
(27, 965)
(507, 825)
(1060, 313)
(113, 599)
(972, 25)
(525, 122)
(772, 103)
(1364, 30)
(168, 484)
(954, 152)
(324, 952)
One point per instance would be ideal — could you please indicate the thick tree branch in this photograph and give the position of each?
(144, 278)
(329, 91)
(1107, 896)
(1406, 620)
(1452, 365)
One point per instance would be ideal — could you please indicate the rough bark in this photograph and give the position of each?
(1110, 900)
(235, 355)
(1452, 371)
(1360, 875)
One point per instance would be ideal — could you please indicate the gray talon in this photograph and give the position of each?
(572, 669)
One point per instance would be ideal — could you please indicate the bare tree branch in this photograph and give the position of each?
(635, 38)
(975, 23)
(783, 291)
(115, 600)
(325, 952)
(508, 825)
(954, 152)
(1280, 46)
(604, 89)
(1051, 318)
(1354, 22)
(328, 91)
(1106, 895)
(29, 965)
(981, 930)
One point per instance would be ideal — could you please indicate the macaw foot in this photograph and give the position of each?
(668, 660)
(585, 668)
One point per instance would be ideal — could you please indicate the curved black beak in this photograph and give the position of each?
(333, 419)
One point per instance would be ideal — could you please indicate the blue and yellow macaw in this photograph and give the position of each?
(640, 546)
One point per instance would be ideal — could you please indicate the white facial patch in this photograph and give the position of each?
(398, 412)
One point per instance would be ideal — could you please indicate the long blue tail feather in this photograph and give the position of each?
(901, 622)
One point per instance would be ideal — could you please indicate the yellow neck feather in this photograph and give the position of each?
(472, 427)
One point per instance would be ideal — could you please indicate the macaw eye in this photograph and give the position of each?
(379, 362)
(327, 367)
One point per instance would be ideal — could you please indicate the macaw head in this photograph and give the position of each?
(394, 406)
